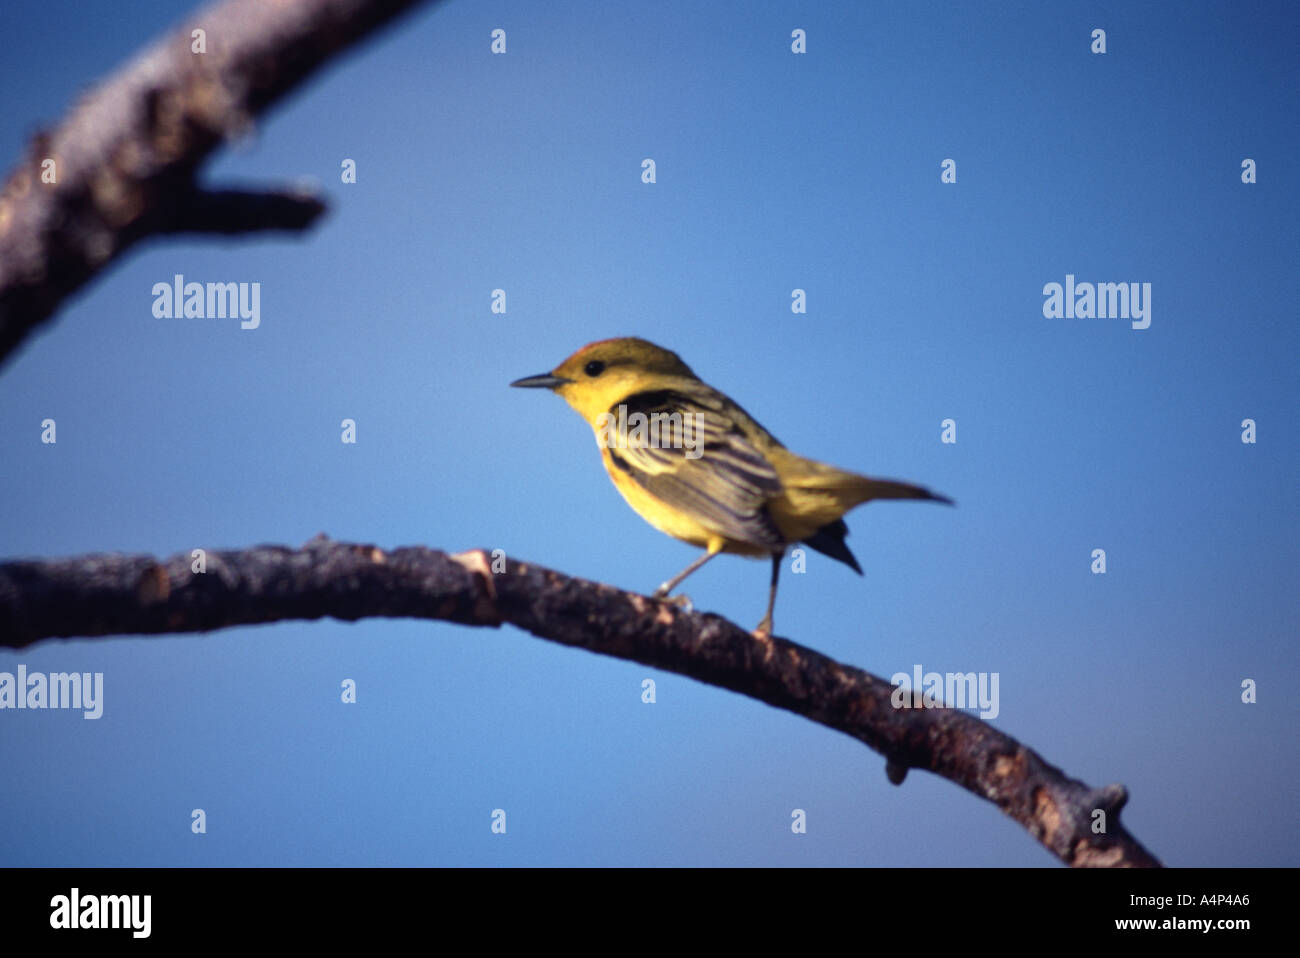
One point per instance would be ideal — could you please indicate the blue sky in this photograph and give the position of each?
(775, 171)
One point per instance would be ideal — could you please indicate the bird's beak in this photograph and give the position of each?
(544, 381)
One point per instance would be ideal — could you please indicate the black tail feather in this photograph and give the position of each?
(829, 540)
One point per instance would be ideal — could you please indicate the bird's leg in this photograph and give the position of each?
(675, 581)
(765, 627)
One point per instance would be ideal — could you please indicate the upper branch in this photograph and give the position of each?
(116, 594)
(122, 165)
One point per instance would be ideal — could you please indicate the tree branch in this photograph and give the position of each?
(240, 211)
(125, 161)
(117, 594)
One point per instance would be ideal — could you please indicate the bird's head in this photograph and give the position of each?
(600, 375)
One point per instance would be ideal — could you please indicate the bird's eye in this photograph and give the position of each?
(594, 368)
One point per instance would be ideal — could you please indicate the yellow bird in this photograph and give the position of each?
(695, 465)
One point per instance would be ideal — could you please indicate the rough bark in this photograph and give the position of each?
(117, 594)
(127, 158)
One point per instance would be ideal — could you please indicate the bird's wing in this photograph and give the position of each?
(692, 455)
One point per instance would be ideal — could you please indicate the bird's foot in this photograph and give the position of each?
(682, 602)
(764, 629)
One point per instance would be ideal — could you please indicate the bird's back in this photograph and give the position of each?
(813, 496)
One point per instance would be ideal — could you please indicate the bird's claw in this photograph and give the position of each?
(682, 602)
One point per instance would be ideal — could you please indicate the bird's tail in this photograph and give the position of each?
(888, 489)
(850, 488)
(815, 496)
